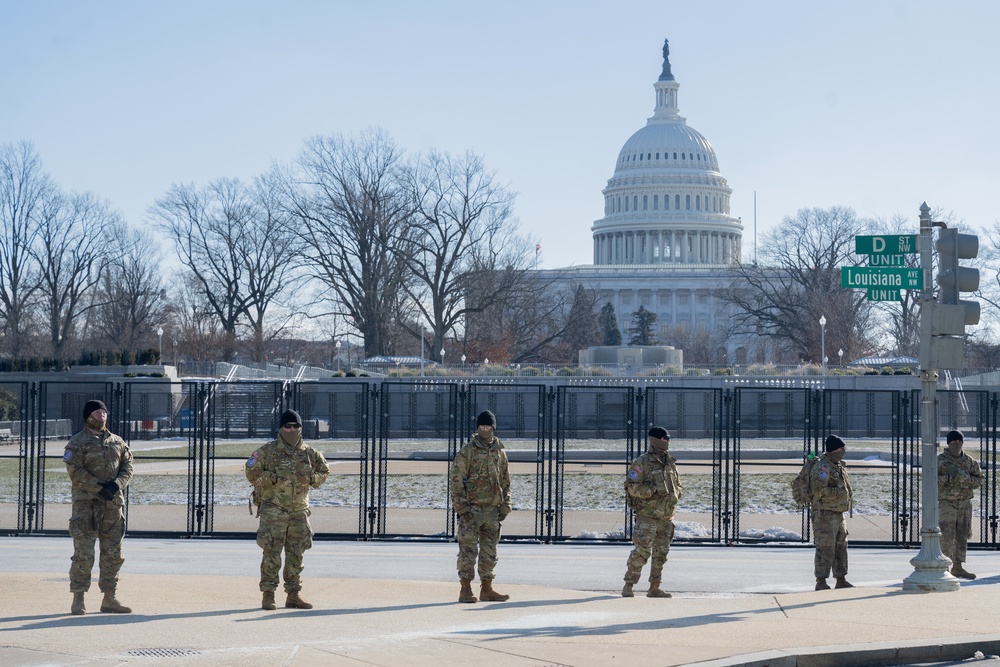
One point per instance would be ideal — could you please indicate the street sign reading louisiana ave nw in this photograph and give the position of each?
(865, 277)
(886, 244)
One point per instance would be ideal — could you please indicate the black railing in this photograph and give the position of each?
(390, 445)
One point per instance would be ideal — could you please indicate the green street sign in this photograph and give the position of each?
(879, 294)
(890, 244)
(887, 260)
(864, 277)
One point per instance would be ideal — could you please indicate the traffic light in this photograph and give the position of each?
(949, 315)
(954, 279)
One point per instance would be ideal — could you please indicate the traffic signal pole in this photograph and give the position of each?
(930, 566)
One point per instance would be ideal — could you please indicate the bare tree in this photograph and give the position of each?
(355, 220)
(531, 328)
(132, 292)
(25, 190)
(464, 229)
(71, 251)
(271, 261)
(235, 243)
(799, 281)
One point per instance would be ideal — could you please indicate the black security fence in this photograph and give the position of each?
(390, 446)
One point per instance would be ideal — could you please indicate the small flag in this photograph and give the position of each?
(538, 246)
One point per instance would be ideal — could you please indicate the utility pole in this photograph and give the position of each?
(930, 566)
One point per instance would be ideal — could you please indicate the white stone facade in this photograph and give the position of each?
(667, 238)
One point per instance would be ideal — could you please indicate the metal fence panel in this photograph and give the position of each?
(416, 437)
(594, 441)
(522, 424)
(698, 421)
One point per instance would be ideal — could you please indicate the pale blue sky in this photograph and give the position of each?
(878, 105)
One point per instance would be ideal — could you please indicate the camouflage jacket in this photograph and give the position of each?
(480, 476)
(653, 485)
(958, 476)
(283, 475)
(92, 458)
(830, 486)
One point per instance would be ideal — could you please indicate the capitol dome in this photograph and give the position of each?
(667, 202)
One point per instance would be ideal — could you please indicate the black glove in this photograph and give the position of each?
(109, 490)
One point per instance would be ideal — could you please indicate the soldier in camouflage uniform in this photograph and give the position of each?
(653, 489)
(480, 494)
(282, 472)
(958, 478)
(99, 465)
(831, 497)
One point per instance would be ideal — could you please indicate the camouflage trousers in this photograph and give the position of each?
(478, 534)
(830, 537)
(955, 517)
(651, 537)
(283, 530)
(91, 521)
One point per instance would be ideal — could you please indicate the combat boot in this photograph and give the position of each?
(295, 601)
(466, 594)
(960, 572)
(78, 608)
(111, 605)
(627, 591)
(821, 584)
(842, 582)
(487, 594)
(656, 592)
(267, 601)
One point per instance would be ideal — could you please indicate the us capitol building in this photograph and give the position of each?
(667, 238)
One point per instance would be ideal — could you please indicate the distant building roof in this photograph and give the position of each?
(402, 361)
(885, 361)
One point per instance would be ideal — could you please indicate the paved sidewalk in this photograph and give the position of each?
(394, 603)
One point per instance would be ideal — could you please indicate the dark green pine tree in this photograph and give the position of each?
(608, 325)
(641, 331)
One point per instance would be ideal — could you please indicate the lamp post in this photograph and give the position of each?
(840, 353)
(442, 356)
(463, 360)
(336, 346)
(175, 353)
(822, 340)
(159, 333)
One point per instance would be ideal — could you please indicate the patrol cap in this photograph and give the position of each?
(659, 433)
(290, 417)
(486, 418)
(833, 443)
(93, 405)
(954, 435)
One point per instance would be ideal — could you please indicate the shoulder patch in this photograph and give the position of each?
(633, 475)
(253, 459)
(68, 454)
(638, 469)
(824, 472)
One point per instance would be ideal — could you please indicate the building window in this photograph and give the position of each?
(640, 157)
(677, 202)
(626, 300)
(626, 204)
(635, 202)
(697, 202)
(649, 156)
(657, 156)
(656, 202)
(645, 202)
(619, 204)
(687, 202)
(683, 156)
(675, 156)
